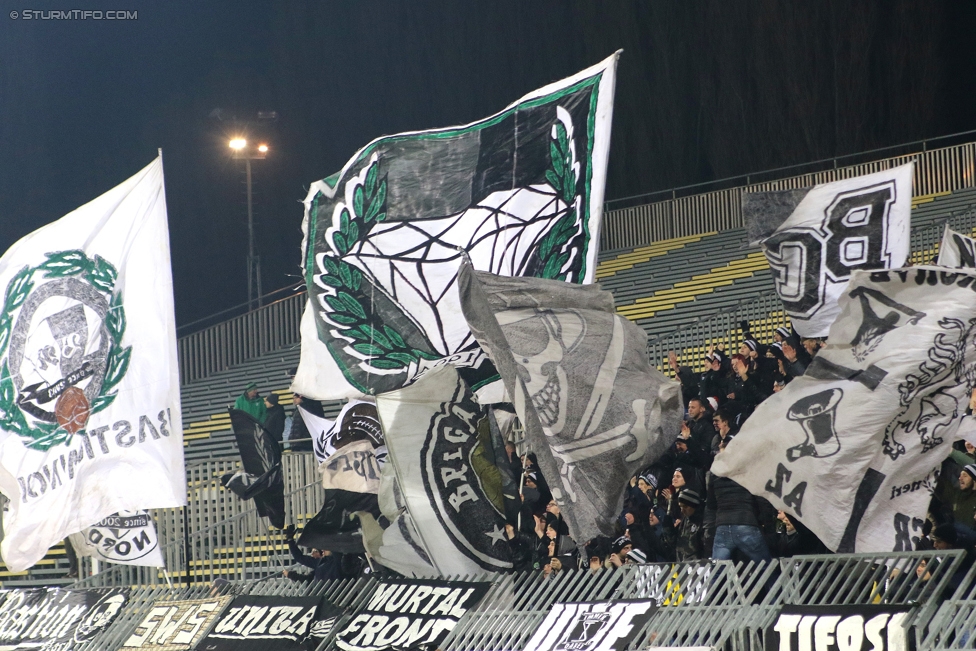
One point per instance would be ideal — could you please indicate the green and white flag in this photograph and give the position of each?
(90, 420)
(520, 191)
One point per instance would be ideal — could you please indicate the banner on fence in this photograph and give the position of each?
(90, 418)
(176, 625)
(126, 538)
(52, 618)
(957, 251)
(257, 623)
(409, 613)
(591, 626)
(865, 429)
(848, 628)
(521, 192)
(815, 237)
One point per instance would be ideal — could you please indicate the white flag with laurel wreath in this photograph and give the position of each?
(90, 421)
(520, 193)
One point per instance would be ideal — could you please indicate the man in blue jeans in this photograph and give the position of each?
(736, 524)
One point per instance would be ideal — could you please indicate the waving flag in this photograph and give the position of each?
(89, 387)
(441, 490)
(957, 251)
(521, 192)
(127, 538)
(594, 410)
(814, 238)
(853, 448)
(261, 478)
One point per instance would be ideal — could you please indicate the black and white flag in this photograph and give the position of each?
(409, 614)
(350, 450)
(815, 237)
(126, 538)
(853, 448)
(261, 478)
(591, 626)
(440, 490)
(521, 192)
(593, 408)
(957, 251)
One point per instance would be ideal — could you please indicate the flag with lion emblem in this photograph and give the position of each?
(90, 420)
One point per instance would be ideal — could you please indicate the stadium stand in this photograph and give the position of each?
(691, 290)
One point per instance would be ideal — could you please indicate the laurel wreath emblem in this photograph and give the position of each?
(101, 275)
(352, 310)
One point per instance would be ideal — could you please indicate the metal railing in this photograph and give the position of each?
(714, 604)
(219, 347)
(936, 170)
(207, 534)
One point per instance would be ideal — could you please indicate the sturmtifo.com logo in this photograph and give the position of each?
(60, 347)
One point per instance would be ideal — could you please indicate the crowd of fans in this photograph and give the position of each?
(676, 510)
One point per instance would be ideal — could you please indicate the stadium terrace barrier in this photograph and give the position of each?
(219, 347)
(348, 595)
(936, 171)
(707, 604)
(217, 534)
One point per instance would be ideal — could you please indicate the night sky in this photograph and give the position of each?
(705, 90)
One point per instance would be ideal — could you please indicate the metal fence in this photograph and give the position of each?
(939, 170)
(711, 604)
(217, 534)
(219, 347)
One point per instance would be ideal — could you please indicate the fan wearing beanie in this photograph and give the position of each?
(962, 500)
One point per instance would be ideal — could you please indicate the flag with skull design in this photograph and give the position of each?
(853, 448)
(520, 192)
(593, 408)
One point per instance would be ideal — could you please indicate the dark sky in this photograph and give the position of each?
(705, 90)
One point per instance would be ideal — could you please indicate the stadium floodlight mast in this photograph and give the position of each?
(242, 151)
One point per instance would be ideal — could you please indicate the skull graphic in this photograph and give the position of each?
(547, 337)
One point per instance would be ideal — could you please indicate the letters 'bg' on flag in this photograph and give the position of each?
(90, 420)
(521, 192)
(853, 448)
